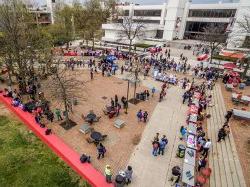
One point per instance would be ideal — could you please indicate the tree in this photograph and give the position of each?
(64, 87)
(22, 41)
(239, 38)
(213, 37)
(89, 19)
(131, 30)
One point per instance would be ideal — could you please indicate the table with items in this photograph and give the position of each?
(188, 172)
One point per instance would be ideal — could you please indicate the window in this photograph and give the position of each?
(195, 29)
(147, 21)
(215, 13)
(126, 13)
(246, 43)
(147, 13)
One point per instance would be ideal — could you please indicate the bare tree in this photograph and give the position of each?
(214, 38)
(131, 30)
(65, 87)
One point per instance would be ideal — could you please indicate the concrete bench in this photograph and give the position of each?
(241, 114)
(85, 129)
(119, 123)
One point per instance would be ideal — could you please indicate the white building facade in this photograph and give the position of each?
(179, 19)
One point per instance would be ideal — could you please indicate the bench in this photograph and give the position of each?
(85, 129)
(241, 114)
(119, 123)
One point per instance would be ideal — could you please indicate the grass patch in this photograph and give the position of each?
(26, 161)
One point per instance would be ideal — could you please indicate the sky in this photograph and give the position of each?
(154, 1)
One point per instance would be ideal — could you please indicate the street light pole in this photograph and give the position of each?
(126, 112)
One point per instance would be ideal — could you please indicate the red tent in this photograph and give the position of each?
(70, 53)
(229, 66)
(202, 57)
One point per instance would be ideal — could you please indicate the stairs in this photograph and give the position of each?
(223, 158)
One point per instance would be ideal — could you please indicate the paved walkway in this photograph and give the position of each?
(166, 119)
(223, 158)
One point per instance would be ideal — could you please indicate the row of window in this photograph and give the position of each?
(199, 26)
(213, 13)
(147, 13)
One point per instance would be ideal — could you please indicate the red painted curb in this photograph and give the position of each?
(71, 157)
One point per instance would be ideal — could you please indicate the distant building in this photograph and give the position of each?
(178, 19)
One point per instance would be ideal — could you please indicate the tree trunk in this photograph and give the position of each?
(129, 50)
(66, 113)
(211, 57)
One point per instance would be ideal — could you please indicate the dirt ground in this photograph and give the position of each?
(120, 142)
(241, 131)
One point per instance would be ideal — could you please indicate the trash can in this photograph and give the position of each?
(181, 151)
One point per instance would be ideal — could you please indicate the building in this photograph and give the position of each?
(178, 19)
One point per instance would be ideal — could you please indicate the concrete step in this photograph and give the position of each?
(224, 159)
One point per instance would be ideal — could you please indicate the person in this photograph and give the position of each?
(116, 100)
(206, 148)
(122, 69)
(145, 116)
(128, 172)
(139, 115)
(228, 115)
(153, 91)
(221, 134)
(58, 114)
(162, 145)
(91, 74)
(202, 163)
(50, 116)
(118, 108)
(101, 151)
(84, 158)
(176, 173)
(108, 174)
(183, 132)
(112, 103)
(155, 147)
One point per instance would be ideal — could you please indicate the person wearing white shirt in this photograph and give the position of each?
(206, 147)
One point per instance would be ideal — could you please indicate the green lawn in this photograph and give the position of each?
(25, 161)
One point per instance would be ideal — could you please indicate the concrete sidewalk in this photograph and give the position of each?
(166, 119)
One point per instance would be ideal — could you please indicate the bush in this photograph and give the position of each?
(141, 45)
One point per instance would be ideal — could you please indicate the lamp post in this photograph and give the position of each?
(126, 111)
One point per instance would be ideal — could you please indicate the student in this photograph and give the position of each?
(221, 134)
(101, 151)
(58, 114)
(183, 132)
(108, 174)
(153, 91)
(139, 115)
(116, 100)
(162, 145)
(202, 163)
(228, 115)
(206, 148)
(155, 147)
(145, 116)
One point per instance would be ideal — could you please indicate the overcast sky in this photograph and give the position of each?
(154, 1)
